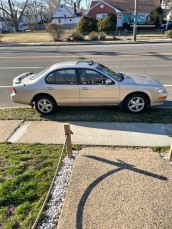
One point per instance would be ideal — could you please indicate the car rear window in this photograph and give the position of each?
(36, 75)
(62, 76)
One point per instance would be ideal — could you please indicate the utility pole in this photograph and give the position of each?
(135, 20)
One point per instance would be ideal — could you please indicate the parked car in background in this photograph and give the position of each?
(24, 28)
(3, 30)
(86, 83)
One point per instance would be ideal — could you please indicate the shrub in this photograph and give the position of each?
(87, 25)
(33, 26)
(102, 36)
(78, 36)
(93, 36)
(55, 30)
(107, 24)
(157, 16)
(168, 34)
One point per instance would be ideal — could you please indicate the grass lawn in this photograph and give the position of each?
(43, 36)
(89, 114)
(26, 172)
(28, 37)
(31, 37)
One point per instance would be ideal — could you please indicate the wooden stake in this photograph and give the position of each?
(170, 154)
(68, 140)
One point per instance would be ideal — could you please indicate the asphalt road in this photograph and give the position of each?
(144, 59)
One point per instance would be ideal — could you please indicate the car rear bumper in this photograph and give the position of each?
(18, 99)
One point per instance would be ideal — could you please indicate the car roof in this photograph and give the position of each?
(74, 64)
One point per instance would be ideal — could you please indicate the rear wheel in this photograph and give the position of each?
(45, 105)
(135, 103)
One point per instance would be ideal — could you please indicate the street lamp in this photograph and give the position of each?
(135, 20)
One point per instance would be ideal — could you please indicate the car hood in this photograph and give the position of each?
(130, 79)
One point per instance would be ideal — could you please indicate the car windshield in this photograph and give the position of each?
(36, 75)
(115, 75)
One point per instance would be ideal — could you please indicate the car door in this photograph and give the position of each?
(97, 89)
(62, 85)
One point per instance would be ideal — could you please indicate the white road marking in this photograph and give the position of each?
(167, 85)
(106, 45)
(17, 67)
(90, 50)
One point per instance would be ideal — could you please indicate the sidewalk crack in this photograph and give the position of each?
(15, 130)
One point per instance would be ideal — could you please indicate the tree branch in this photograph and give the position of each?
(11, 9)
(24, 7)
(1, 8)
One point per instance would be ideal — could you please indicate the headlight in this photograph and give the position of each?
(160, 90)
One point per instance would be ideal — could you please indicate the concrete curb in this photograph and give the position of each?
(85, 43)
(4, 108)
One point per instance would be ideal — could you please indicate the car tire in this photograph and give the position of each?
(135, 103)
(45, 105)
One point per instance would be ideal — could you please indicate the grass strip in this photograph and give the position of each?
(26, 37)
(89, 114)
(26, 171)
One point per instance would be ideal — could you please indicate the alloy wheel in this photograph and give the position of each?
(136, 104)
(45, 106)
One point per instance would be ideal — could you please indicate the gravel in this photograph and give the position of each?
(57, 196)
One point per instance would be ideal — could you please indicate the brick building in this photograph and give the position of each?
(101, 9)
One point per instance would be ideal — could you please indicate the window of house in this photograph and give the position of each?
(63, 76)
(101, 16)
(104, 15)
(64, 16)
(59, 20)
(88, 76)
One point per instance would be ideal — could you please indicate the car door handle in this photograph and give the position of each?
(49, 88)
(84, 88)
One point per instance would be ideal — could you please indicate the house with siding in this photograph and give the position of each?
(102, 8)
(66, 16)
(6, 24)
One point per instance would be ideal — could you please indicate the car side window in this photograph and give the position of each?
(63, 76)
(88, 76)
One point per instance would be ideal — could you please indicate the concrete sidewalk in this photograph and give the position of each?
(118, 189)
(87, 133)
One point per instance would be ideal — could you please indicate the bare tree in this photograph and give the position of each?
(36, 11)
(14, 9)
(51, 6)
(71, 3)
(167, 3)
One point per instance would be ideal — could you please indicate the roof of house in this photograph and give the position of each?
(1, 19)
(7, 19)
(62, 6)
(128, 5)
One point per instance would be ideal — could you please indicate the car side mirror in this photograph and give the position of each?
(108, 82)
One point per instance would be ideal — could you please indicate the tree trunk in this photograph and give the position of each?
(16, 27)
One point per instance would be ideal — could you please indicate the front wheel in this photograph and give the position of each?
(45, 105)
(135, 103)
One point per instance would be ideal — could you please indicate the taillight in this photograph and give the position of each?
(14, 90)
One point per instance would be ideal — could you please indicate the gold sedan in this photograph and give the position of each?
(86, 83)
